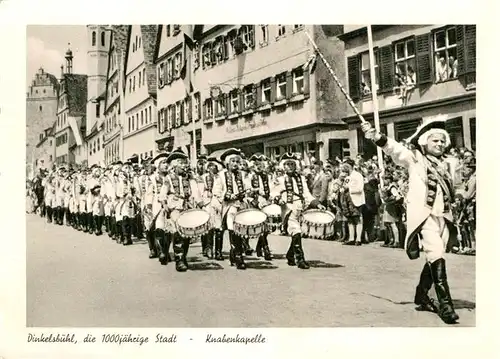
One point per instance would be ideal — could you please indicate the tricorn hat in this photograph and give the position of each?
(437, 122)
(289, 157)
(230, 153)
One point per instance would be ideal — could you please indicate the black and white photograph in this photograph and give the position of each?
(250, 176)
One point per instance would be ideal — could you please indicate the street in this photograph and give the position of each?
(79, 280)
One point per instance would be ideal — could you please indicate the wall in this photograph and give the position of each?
(141, 142)
(422, 93)
(45, 153)
(284, 54)
(96, 142)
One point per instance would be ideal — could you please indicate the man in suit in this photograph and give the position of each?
(430, 194)
(319, 185)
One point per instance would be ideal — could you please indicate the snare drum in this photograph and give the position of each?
(318, 224)
(273, 212)
(193, 224)
(250, 223)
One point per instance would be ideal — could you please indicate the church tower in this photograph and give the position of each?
(98, 37)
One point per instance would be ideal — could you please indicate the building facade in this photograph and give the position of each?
(421, 71)
(139, 126)
(98, 38)
(41, 111)
(45, 150)
(114, 98)
(260, 91)
(179, 108)
(70, 122)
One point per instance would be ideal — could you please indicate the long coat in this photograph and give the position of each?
(417, 211)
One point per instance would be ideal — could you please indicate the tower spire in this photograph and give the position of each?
(69, 59)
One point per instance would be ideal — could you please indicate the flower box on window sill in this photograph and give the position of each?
(265, 107)
(297, 97)
(220, 118)
(233, 115)
(208, 120)
(281, 102)
(247, 112)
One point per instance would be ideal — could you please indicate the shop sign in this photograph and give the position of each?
(246, 125)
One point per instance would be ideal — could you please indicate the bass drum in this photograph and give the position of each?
(318, 224)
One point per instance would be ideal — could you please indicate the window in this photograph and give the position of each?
(281, 86)
(150, 118)
(97, 110)
(137, 121)
(142, 118)
(247, 35)
(266, 91)
(196, 55)
(405, 63)
(209, 106)
(167, 28)
(140, 41)
(103, 38)
(169, 71)
(129, 85)
(248, 97)
(445, 49)
(133, 84)
(298, 27)
(133, 122)
(146, 116)
(298, 80)
(161, 120)
(177, 114)
(221, 105)
(140, 77)
(177, 65)
(161, 72)
(365, 73)
(44, 91)
(50, 158)
(143, 77)
(187, 110)
(197, 106)
(205, 54)
(169, 118)
(234, 101)
(281, 30)
(472, 125)
(177, 30)
(40, 108)
(98, 144)
(93, 38)
(264, 34)
(129, 124)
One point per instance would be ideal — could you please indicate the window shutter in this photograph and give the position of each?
(273, 89)
(174, 117)
(386, 68)
(241, 104)
(424, 60)
(190, 109)
(470, 48)
(251, 29)
(289, 84)
(204, 112)
(353, 72)
(306, 83)
(183, 118)
(160, 82)
(257, 92)
(461, 49)
(225, 47)
(160, 127)
(227, 99)
(165, 119)
(165, 74)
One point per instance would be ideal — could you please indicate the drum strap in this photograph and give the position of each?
(229, 182)
(265, 182)
(186, 188)
(289, 187)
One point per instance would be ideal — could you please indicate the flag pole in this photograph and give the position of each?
(374, 95)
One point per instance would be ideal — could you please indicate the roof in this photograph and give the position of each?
(76, 89)
(149, 34)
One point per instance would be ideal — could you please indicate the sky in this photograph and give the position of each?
(46, 46)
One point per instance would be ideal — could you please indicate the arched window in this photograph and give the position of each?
(93, 38)
(40, 108)
(103, 38)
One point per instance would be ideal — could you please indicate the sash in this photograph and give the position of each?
(265, 181)
(437, 176)
(289, 187)
(209, 182)
(185, 186)
(229, 182)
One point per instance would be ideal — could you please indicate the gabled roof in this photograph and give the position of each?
(76, 89)
(148, 34)
(195, 33)
(117, 43)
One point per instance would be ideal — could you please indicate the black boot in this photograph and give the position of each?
(246, 246)
(150, 236)
(204, 245)
(112, 227)
(219, 235)
(160, 246)
(236, 252)
(446, 310)
(299, 252)
(49, 214)
(127, 231)
(265, 246)
(210, 244)
(98, 225)
(290, 257)
(258, 248)
(119, 232)
(421, 294)
(140, 227)
(62, 212)
(107, 224)
(180, 260)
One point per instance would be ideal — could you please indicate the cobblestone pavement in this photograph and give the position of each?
(80, 280)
